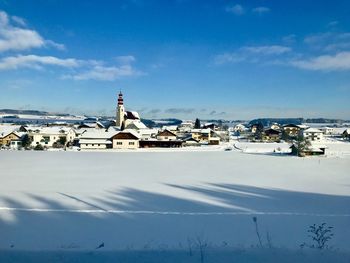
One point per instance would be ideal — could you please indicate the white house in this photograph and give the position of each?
(166, 135)
(97, 139)
(313, 135)
(126, 139)
(47, 136)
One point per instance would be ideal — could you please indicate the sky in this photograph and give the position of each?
(183, 59)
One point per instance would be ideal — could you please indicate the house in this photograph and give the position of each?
(240, 128)
(313, 134)
(189, 141)
(309, 151)
(172, 128)
(346, 134)
(201, 135)
(51, 136)
(6, 138)
(166, 135)
(96, 139)
(211, 126)
(127, 139)
(271, 135)
(291, 130)
(147, 134)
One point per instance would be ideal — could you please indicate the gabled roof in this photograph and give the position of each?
(136, 124)
(166, 133)
(132, 115)
(98, 134)
(3, 135)
(189, 138)
(7, 129)
(126, 135)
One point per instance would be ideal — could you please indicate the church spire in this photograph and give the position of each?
(120, 98)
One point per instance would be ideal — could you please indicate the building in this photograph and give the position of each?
(96, 139)
(313, 134)
(7, 138)
(189, 141)
(127, 139)
(166, 135)
(309, 151)
(127, 119)
(120, 112)
(51, 136)
(271, 135)
(201, 135)
(291, 130)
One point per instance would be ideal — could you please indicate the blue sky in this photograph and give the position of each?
(184, 59)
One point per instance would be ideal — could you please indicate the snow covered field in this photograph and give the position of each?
(75, 201)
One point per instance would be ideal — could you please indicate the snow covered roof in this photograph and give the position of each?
(200, 130)
(137, 124)
(49, 130)
(7, 129)
(98, 134)
(169, 127)
(133, 132)
(313, 130)
(132, 115)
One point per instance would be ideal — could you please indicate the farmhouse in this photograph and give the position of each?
(313, 134)
(51, 136)
(96, 139)
(166, 135)
(291, 130)
(127, 139)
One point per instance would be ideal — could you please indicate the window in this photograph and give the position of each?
(92, 144)
(86, 145)
(131, 143)
(119, 143)
(98, 144)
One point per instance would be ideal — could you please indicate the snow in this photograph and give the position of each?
(74, 201)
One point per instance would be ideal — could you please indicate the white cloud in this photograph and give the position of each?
(36, 62)
(125, 59)
(50, 43)
(14, 38)
(106, 73)
(329, 41)
(267, 50)
(19, 20)
(252, 54)
(261, 10)
(337, 62)
(235, 9)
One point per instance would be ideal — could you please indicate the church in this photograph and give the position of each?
(127, 119)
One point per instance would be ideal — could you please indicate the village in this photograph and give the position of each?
(128, 132)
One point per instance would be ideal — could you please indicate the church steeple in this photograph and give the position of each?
(120, 98)
(120, 112)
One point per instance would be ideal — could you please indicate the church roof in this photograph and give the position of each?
(132, 115)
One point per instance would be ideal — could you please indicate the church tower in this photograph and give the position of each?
(120, 111)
